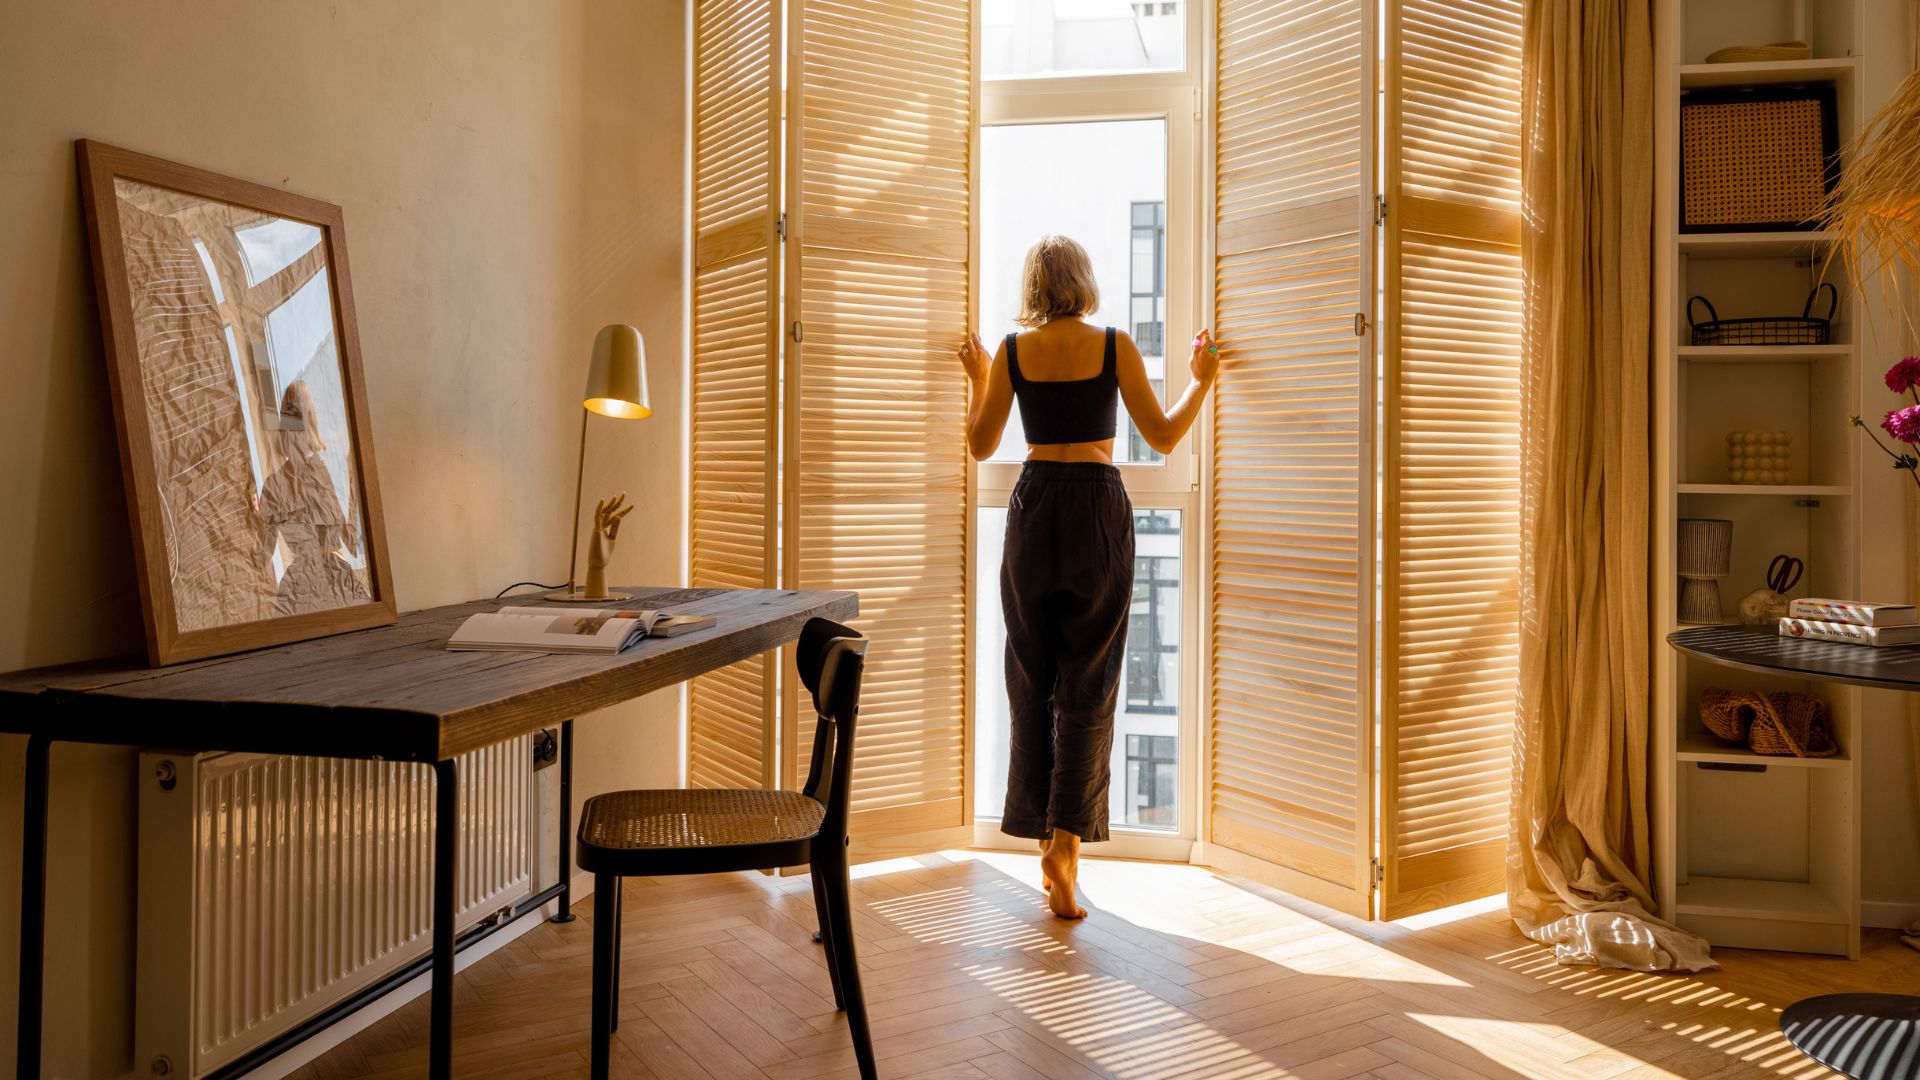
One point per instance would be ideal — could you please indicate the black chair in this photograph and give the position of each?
(709, 831)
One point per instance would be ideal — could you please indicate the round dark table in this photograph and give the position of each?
(1864, 1036)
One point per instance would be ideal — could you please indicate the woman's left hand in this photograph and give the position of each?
(974, 358)
(1205, 363)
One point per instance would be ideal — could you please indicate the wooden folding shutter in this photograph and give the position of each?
(1451, 479)
(1290, 740)
(737, 59)
(879, 236)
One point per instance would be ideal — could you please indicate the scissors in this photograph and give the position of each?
(1783, 573)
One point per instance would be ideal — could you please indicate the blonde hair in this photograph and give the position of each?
(1057, 280)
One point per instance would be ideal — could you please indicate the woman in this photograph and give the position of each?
(1066, 575)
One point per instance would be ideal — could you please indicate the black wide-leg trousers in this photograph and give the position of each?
(1066, 584)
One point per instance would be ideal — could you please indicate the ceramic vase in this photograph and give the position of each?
(1705, 553)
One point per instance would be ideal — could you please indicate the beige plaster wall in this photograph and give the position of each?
(512, 178)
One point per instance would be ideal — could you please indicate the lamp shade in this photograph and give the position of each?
(617, 379)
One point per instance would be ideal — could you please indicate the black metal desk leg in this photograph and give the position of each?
(565, 914)
(446, 832)
(33, 908)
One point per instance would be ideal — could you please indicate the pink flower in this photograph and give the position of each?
(1904, 424)
(1904, 375)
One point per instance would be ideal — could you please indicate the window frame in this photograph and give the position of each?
(1199, 56)
(1176, 98)
(1064, 100)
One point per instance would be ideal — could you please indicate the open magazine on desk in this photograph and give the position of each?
(568, 630)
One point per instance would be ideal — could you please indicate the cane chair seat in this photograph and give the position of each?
(695, 830)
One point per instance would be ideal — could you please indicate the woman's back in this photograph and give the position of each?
(1064, 377)
(1063, 350)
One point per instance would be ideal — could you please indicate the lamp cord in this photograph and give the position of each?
(517, 584)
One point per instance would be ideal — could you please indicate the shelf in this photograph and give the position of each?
(1761, 354)
(1763, 489)
(1786, 901)
(1771, 71)
(1709, 749)
(1747, 245)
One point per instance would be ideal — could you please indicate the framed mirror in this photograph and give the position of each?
(234, 362)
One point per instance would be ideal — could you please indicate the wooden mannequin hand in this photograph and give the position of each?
(607, 515)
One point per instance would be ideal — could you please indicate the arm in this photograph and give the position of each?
(1164, 430)
(989, 398)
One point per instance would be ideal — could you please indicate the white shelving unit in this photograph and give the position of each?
(1750, 850)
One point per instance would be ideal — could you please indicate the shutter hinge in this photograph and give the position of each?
(1379, 210)
(1360, 324)
(796, 330)
(780, 226)
(1379, 874)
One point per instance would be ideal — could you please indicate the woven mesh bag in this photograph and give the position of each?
(1782, 724)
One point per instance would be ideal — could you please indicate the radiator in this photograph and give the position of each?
(273, 887)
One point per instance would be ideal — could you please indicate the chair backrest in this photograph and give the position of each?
(831, 659)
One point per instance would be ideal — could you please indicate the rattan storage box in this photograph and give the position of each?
(1756, 158)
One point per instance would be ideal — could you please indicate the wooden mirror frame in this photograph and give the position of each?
(100, 165)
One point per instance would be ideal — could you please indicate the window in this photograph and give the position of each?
(1149, 272)
(1150, 699)
(1136, 448)
(1153, 632)
(1022, 39)
(1104, 171)
(1152, 766)
(1088, 129)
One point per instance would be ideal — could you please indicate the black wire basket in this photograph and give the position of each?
(1808, 329)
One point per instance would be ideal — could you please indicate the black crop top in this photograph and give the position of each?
(1075, 410)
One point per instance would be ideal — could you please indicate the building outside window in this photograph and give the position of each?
(1152, 766)
(1149, 293)
(1153, 631)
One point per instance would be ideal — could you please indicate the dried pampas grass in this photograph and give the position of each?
(1875, 210)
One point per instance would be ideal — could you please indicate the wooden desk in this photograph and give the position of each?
(392, 693)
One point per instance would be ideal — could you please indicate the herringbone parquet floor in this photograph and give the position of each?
(1180, 972)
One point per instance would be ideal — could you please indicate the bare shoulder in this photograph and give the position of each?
(1125, 350)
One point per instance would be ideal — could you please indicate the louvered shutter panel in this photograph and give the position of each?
(879, 239)
(1452, 448)
(1290, 740)
(737, 137)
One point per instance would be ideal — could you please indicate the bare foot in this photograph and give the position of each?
(1061, 865)
(1044, 883)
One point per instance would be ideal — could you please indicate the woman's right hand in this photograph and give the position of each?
(975, 359)
(1205, 363)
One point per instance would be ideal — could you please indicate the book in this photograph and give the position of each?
(568, 630)
(1851, 611)
(1850, 633)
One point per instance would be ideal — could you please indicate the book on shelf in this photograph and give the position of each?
(568, 630)
(1858, 612)
(1850, 633)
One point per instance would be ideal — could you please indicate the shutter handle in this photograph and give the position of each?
(1359, 324)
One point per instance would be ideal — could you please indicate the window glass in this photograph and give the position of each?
(1146, 760)
(1028, 38)
(1103, 183)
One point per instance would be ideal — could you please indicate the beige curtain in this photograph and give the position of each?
(1579, 858)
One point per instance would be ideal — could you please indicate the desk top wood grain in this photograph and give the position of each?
(396, 692)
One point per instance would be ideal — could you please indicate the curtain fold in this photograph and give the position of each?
(1579, 859)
